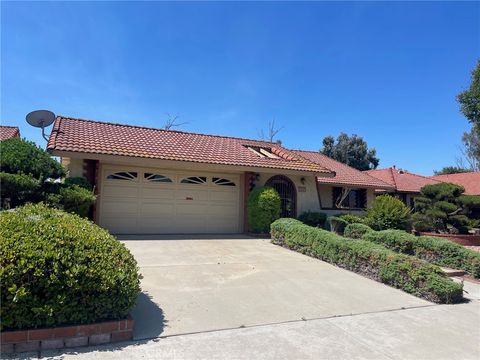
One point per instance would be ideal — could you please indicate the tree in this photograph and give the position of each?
(443, 208)
(471, 150)
(350, 150)
(22, 156)
(26, 172)
(451, 170)
(470, 99)
(272, 132)
(172, 121)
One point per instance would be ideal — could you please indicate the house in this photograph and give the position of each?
(8, 132)
(350, 190)
(157, 181)
(405, 184)
(469, 180)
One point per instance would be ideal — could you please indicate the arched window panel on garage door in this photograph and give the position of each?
(152, 177)
(223, 182)
(123, 175)
(196, 180)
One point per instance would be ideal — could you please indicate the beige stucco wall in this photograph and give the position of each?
(306, 200)
(73, 166)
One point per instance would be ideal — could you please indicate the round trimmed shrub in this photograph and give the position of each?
(59, 269)
(264, 207)
(388, 212)
(356, 231)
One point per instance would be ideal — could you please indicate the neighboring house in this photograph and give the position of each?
(406, 185)
(350, 190)
(469, 180)
(8, 132)
(157, 181)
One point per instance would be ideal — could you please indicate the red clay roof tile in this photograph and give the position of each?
(95, 137)
(402, 180)
(8, 132)
(344, 174)
(470, 181)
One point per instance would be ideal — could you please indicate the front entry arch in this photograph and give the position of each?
(287, 192)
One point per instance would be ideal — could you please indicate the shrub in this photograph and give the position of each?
(59, 269)
(21, 156)
(337, 224)
(18, 188)
(79, 181)
(388, 212)
(76, 199)
(264, 207)
(313, 218)
(374, 261)
(439, 251)
(352, 219)
(356, 231)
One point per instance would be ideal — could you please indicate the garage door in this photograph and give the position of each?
(152, 201)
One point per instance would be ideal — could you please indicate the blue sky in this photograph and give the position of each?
(386, 71)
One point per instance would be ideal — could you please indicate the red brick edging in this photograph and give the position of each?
(466, 240)
(66, 336)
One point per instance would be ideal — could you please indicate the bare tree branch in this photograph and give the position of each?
(272, 132)
(171, 122)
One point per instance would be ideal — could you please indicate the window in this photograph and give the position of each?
(223, 182)
(123, 175)
(344, 198)
(150, 177)
(194, 180)
(262, 152)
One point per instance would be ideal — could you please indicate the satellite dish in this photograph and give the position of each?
(41, 119)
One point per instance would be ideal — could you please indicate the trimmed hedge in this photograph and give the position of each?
(439, 251)
(59, 269)
(405, 272)
(356, 231)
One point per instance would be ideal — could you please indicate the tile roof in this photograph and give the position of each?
(470, 181)
(402, 180)
(344, 174)
(95, 137)
(8, 132)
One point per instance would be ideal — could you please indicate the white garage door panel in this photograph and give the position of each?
(223, 196)
(113, 206)
(142, 204)
(156, 209)
(126, 191)
(158, 193)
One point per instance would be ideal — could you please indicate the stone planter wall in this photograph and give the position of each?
(66, 336)
(466, 240)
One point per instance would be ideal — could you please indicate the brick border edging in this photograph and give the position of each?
(466, 240)
(66, 336)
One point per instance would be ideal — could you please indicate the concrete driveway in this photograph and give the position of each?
(200, 284)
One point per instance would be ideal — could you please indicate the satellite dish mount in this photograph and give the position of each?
(41, 119)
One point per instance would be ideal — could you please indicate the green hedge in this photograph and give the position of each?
(439, 251)
(264, 207)
(356, 231)
(59, 269)
(405, 272)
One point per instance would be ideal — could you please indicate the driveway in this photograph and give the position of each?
(200, 284)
